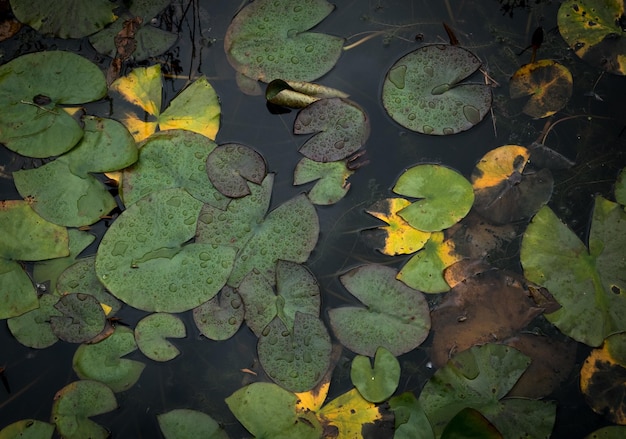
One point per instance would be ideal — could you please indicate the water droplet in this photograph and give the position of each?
(141, 237)
(73, 284)
(427, 129)
(447, 131)
(204, 256)
(209, 280)
(309, 48)
(397, 76)
(295, 60)
(174, 202)
(340, 144)
(270, 57)
(429, 70)
(471, 114)
(411, 116)
(232, 321)
(293, 373)
(235, 303)
(173, 288)
(266, 331)
(119, 248)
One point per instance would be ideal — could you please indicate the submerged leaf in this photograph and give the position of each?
(268, 40)
(423, 91)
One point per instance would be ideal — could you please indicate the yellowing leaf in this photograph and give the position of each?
(195, 109)
(349, 412)
(400, 237)
(499, 165)
(314, 398)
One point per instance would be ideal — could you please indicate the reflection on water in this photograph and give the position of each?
(209, 371)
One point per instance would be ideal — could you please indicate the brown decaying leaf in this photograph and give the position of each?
(125, 44)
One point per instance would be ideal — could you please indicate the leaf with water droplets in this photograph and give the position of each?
(220, 317)
(231, 166)
(152, 333)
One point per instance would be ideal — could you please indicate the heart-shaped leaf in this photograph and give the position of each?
(380, 382)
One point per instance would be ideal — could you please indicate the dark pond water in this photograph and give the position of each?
(206, 372)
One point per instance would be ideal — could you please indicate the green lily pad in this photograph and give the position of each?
(143, 259)
(196, 108)
(103, 361)
(186, 423)
(480, 378)
(592, 29)
(410, 420)
(445, 197)
(295, 358)
(221, 317)
(152, 333)
(620, 188)
(33, 329)
(52, 18)
(25, 237)
(81, 319)
(64, 191)
(49, 270)
(395, 316)
(27, 429)
(268, 40)
(32, 89)
(230, 166)
(469, 423)
(256, 403)
(423, 90)
(340, 128)
(150, 40)
(75, 403)
(174, 158)
(587, 283)
(380, 382)
(296, 291)
(331, 180)
(611, 432)
(81, 277)
(424, 271)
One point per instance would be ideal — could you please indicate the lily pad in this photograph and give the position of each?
(27, 429)
(340, 128)
(480, 378)
(75, 403)
(423, 91)
(196, 108)
(81, 318)
(594, 30)
(256, 403)
(398, 237)
(143, 259)
(503, 192)
(104, 362)
(81, 277)
(33, 329)
(169, 159)
(331, 180)
(295, 358)
(587, 283)
(348, 414)
(395, 316)
(52, 18)
(380, 382)
(221, 317)
(152, 333)
(296, 291)
(26, 237)
(546, 83)
(186, 423)
(231, 165)
(64, 191)
(268, 40)
(424, 271)
(150, 40)
(33, 89)
(410, 420)
(603, 379)
(611, 432)
(445, 196)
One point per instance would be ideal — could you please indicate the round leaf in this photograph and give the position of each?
(446, 197)
(31, 89)
(395, 317)
(171, 159)
(186, 423)
(340, 128)
(52, 18)
(231, 166)
(143, 259)
(297, 358)
(103, 361)
(546, 83)
(78, 401)
(220, 317)
(423, 91)
(152, 332)
(268, 40)
(81, 318)
(378, 383)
